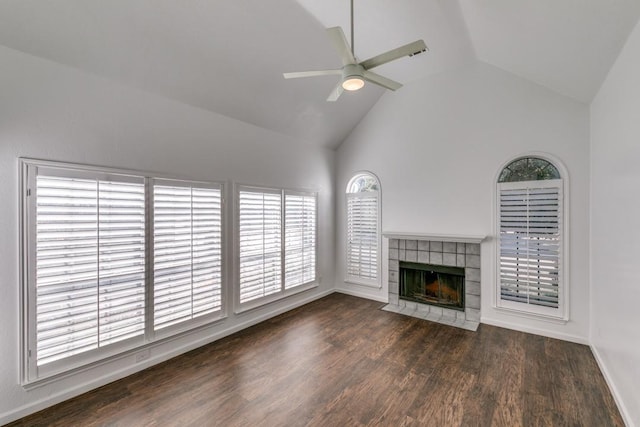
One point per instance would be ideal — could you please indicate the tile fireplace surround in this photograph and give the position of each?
(456, 251)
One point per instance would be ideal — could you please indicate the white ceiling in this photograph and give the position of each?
(228, 56)
(565, 45)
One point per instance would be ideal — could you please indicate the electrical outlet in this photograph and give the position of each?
(142, 356)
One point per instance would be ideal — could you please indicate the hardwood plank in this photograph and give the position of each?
(341, 361)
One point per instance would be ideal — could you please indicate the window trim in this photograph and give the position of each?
(30, 375)
(527, 310)
(377, 283)
(238, 307)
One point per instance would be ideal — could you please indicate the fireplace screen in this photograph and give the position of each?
(432, 284)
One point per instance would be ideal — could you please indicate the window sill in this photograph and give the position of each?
(558, 320)
(189, 325)
(374, 285)
(257, 303)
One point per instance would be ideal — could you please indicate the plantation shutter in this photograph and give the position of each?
(300, 239)
(362, 236)
(90, 261)
(531, 242)
(187, 252)
(260, 243)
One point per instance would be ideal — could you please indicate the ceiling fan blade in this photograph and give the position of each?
(342, 46)
(381, 81)
(299, 74)
(406, 50)
(336, 92)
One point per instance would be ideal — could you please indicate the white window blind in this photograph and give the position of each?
(260, 243)
(362, 237)
(90, 262)
(531, 242)
(87, 291)
(300, 239)
(187, 254)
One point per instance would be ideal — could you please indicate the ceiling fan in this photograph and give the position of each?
(355, 73)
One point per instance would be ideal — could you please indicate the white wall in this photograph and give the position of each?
(437, 145)
(52, 112)
(615, 235)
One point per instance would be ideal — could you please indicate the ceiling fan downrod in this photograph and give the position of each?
(353, 49)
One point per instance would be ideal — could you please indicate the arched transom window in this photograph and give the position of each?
(531, 238)
(363, 230)
(529, 169)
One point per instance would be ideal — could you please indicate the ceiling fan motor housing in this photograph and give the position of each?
(350, 71)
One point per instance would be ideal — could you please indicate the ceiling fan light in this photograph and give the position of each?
(353, 83)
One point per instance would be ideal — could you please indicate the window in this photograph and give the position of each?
(260, 243)
(363, 230)
(300, 239)
(531, 238)
(87, 284)
(89, 264)
(266, 219)
(187, 251)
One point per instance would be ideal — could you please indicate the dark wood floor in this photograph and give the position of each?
(340, 361)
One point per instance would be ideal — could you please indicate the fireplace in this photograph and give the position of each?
(438, 285)
(435, 277)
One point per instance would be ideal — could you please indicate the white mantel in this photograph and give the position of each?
(458, 238)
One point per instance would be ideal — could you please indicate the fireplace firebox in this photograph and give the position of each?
(437, 285)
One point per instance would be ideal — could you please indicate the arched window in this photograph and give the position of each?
(531, 238)
(363, 230)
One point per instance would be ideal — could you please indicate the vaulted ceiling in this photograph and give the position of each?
(228, 56)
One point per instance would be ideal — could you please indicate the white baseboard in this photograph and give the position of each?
(614, 391)
(56, 398)
(536, 331)
(361, 294)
